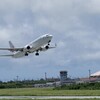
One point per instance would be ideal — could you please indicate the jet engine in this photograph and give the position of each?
(44, 48)
(28, 47)
(47, 47)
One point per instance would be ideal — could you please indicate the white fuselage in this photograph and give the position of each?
(34, 46)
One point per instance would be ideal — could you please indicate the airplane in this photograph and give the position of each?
(40, 44)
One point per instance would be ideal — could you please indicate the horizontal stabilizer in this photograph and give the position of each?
(10, 55)
(12, 49)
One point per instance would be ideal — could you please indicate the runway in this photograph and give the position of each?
(49, 97)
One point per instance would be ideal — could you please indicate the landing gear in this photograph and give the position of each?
(49, 42)
(47, 47)
(26, 54)
(37, 54)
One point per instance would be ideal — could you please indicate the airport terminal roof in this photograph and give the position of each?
(95, 74)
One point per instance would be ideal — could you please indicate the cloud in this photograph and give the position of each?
(74, 25)
(93, 6)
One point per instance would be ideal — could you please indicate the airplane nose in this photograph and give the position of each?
(50, 36)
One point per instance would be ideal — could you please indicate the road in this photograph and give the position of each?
(49, 97)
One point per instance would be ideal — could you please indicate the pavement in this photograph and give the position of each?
(49, 97)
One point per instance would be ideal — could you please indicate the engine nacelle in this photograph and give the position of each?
(44, 48)
(47, 47)
(28, 47)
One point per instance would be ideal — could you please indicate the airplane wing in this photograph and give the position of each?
(52, 47)
(12, 49)
(46, 48)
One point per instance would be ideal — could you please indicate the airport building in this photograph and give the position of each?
(64, 79)
(95, 75)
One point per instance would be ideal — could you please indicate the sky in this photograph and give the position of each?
(75, 26)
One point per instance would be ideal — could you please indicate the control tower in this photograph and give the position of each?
(63, 76)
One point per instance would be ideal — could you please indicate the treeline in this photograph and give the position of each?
(30, 84)
(80, 86)
(21, 84)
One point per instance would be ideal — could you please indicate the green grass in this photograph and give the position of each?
(52, 99)
(68, 99)
(47, 92)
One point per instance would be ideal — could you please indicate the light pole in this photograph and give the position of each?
(89, 73)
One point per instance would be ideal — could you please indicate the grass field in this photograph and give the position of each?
(52, 99)
(47, 92)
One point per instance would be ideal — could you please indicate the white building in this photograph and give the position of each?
(97, 74)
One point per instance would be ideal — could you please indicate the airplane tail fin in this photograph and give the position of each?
(11, 46)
